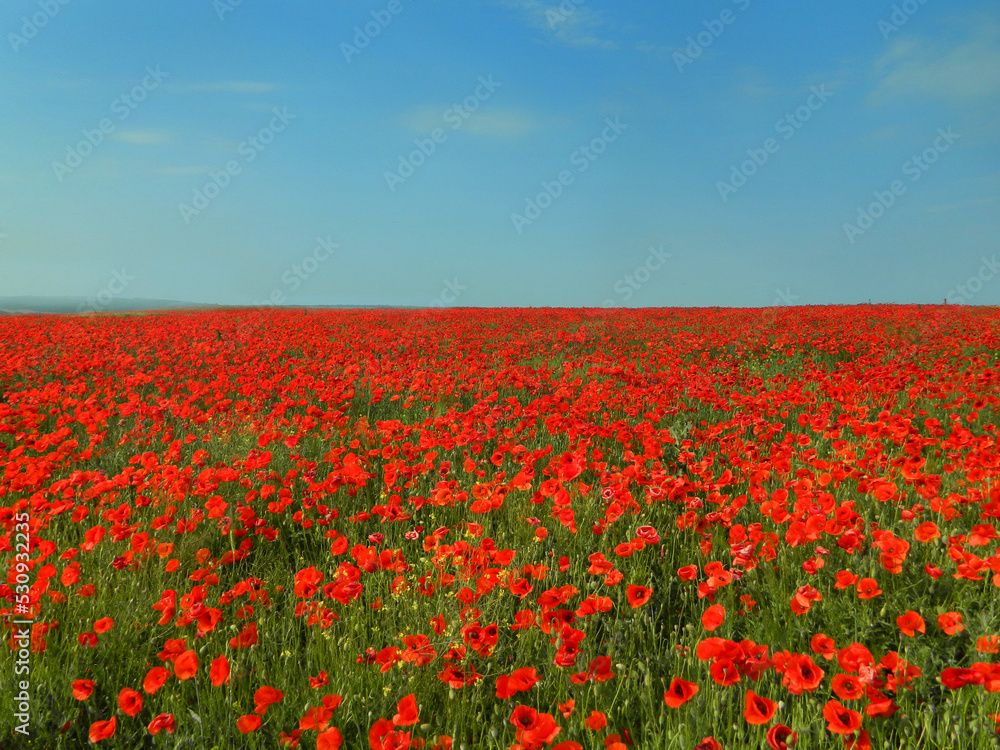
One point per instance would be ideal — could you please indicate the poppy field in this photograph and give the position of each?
(484, 529)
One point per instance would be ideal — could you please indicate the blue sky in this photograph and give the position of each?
(594, 153)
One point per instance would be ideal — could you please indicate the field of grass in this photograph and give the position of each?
(486, 529)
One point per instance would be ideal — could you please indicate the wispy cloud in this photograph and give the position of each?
(921, 68)
(573, 25)
(181, 171)
(501, 124)
(971, 203)
(496, 123)
(224, 87)
(886, 133)
(143, 137)
(755, 90)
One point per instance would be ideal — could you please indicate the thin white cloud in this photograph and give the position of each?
(886, 133)
(181, 171)
(944, 207)
(224, 87)
(495, 123)
(753, 91)
(569, 23)
(500, 124)
(921, 68)
(424, 119)
(667, 52)
(143, 137)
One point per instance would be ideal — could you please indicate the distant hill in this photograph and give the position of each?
(29, 305)
(16, 305)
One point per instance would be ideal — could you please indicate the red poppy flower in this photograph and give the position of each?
(847, 687)
(384, 736)
(713, 617)
(638, 595)
(406, 711)
(724, 672)
(265, 697)
(163, 722)
(991, 675)
(519, 681)
(840, 719)
(83, 689)
(329, 739)
(186, 665)
(155, 679)
(648, 533)
(102, 730)
(246, 638)
(954, 678)
(679, 692)
(823, 645)
(868, 588)
(314, 682)
(881, 707)
(759, 710)
(801, 674)
(851, 658)
(129, 701)
(595, 721)
(845, 579)
(951, 623)
(599, 668)
(780, 737)
(172, 649)
(219, 671)
(541, 732)
(103, 625)
(248, 723)
(988, 644)
(688, 572)
(910, 623)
